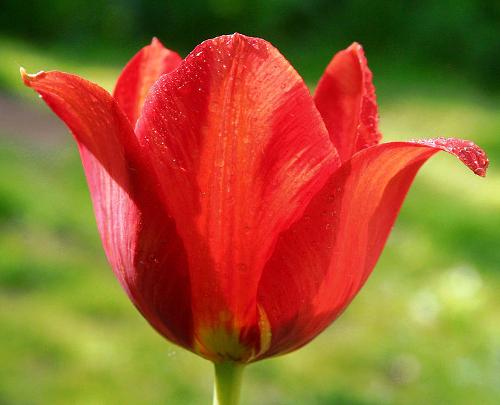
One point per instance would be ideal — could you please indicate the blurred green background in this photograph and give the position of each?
(426, 327)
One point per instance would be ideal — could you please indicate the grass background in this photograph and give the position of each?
(425, 328)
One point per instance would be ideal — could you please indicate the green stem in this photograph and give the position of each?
(227, 385)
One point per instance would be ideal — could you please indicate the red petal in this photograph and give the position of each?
(345, 97)
(322, 260)
(139, 238)
(240, 149)
(139, 75)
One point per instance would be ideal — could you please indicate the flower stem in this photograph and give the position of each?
(227, 385)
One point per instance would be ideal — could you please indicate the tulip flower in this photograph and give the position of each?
(240, 214)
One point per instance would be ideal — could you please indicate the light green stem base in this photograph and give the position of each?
(227, 385)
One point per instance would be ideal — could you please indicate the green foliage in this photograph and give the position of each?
(458, 36)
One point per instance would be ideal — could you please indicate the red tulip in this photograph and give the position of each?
(240, 214)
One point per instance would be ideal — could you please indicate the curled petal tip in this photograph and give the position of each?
(356, 46)
(24, 75)
(480, 172)
(468, 152)
(28, 78)
(155, 41)
(236, 38)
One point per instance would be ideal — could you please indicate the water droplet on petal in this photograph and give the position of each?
(469, 153)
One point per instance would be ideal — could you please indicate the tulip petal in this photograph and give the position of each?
(139, 75)
(240, 149)
(139, 239)
(322, 260)
(345, 97)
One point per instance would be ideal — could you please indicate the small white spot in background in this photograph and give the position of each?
(460, 288)
(425, 307)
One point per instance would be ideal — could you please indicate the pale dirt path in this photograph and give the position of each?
(28, 124)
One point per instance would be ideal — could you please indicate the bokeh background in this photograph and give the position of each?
(426, 327)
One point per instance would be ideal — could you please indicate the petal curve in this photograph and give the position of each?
(345, 97)
(139, 75)
(322, 261)
(140, 240)
(240, 149)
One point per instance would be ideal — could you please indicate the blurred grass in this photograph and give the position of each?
(100, 66)
(424, 329)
